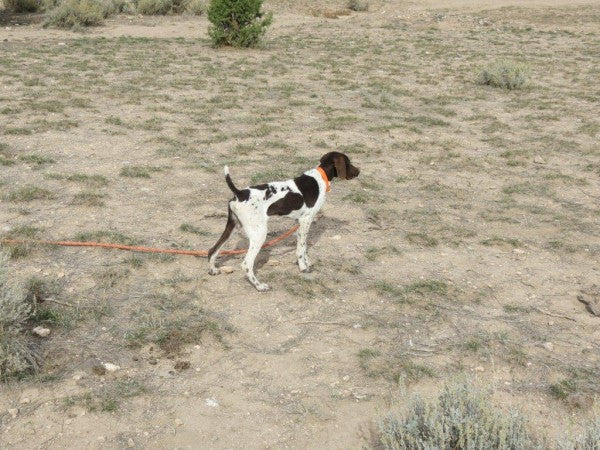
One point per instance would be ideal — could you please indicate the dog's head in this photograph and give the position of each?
(339, 165)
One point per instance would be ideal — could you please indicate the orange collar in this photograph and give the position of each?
(325, 179)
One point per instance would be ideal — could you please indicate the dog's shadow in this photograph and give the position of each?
(317, 228)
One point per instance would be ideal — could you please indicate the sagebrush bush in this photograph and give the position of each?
(505, 74)
(589, 439)
(165, 7)
(16, 354)
(462, 418)
(158, 7)
(239, 23)
(195, 7)
(358, 5)
(22, 6)
(80, 13)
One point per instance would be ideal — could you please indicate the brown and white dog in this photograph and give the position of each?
(300, 198)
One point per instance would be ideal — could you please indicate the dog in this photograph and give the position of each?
(300, 198)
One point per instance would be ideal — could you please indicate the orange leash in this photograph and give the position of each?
(135, 248)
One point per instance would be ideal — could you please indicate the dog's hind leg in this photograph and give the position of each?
(256, 235)
(214, 251)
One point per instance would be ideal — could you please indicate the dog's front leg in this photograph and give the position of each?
(304, 226)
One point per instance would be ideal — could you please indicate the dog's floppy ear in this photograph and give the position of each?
(340, 166)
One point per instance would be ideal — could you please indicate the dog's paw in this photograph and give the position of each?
(307, 269)
(214, 271)
(262, 287)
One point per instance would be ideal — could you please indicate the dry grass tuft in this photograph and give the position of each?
(16, 354)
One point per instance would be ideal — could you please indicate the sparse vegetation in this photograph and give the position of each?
(459, 251)
(28, 193)
(22, 6)
(138, 171)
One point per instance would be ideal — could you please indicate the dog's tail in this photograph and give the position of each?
(235, 190)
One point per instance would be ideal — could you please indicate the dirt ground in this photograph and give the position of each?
(458, 253)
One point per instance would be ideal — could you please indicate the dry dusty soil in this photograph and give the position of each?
(458, 253)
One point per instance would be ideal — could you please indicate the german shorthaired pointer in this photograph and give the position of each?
(300, 198)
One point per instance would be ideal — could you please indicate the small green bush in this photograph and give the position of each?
(22, 6)
(239, 23)
(78, 13)
(506, 75)
(462, 418)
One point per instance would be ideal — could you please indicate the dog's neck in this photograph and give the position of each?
(326, 177)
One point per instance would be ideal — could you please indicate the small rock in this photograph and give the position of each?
(479, 369)
(211, 402)
(345, 377)
(78, 375)
(539, 160)
(111, 367)
(272, 262)
(182, 365)
(336, 237)
(153, 361)
(130, 443)
(178, 422)
(590, 297)
(518, 251)
(41, 331)
(76, 411)
(101, 439)
(28, 394)
(548, 346)
(227, 269)
(13, 412)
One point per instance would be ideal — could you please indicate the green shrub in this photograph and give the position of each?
(22, 6)
(462, 418)
(238, 23)
(506, 75)
(16, 354)
(358, 5)
(77, 13)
